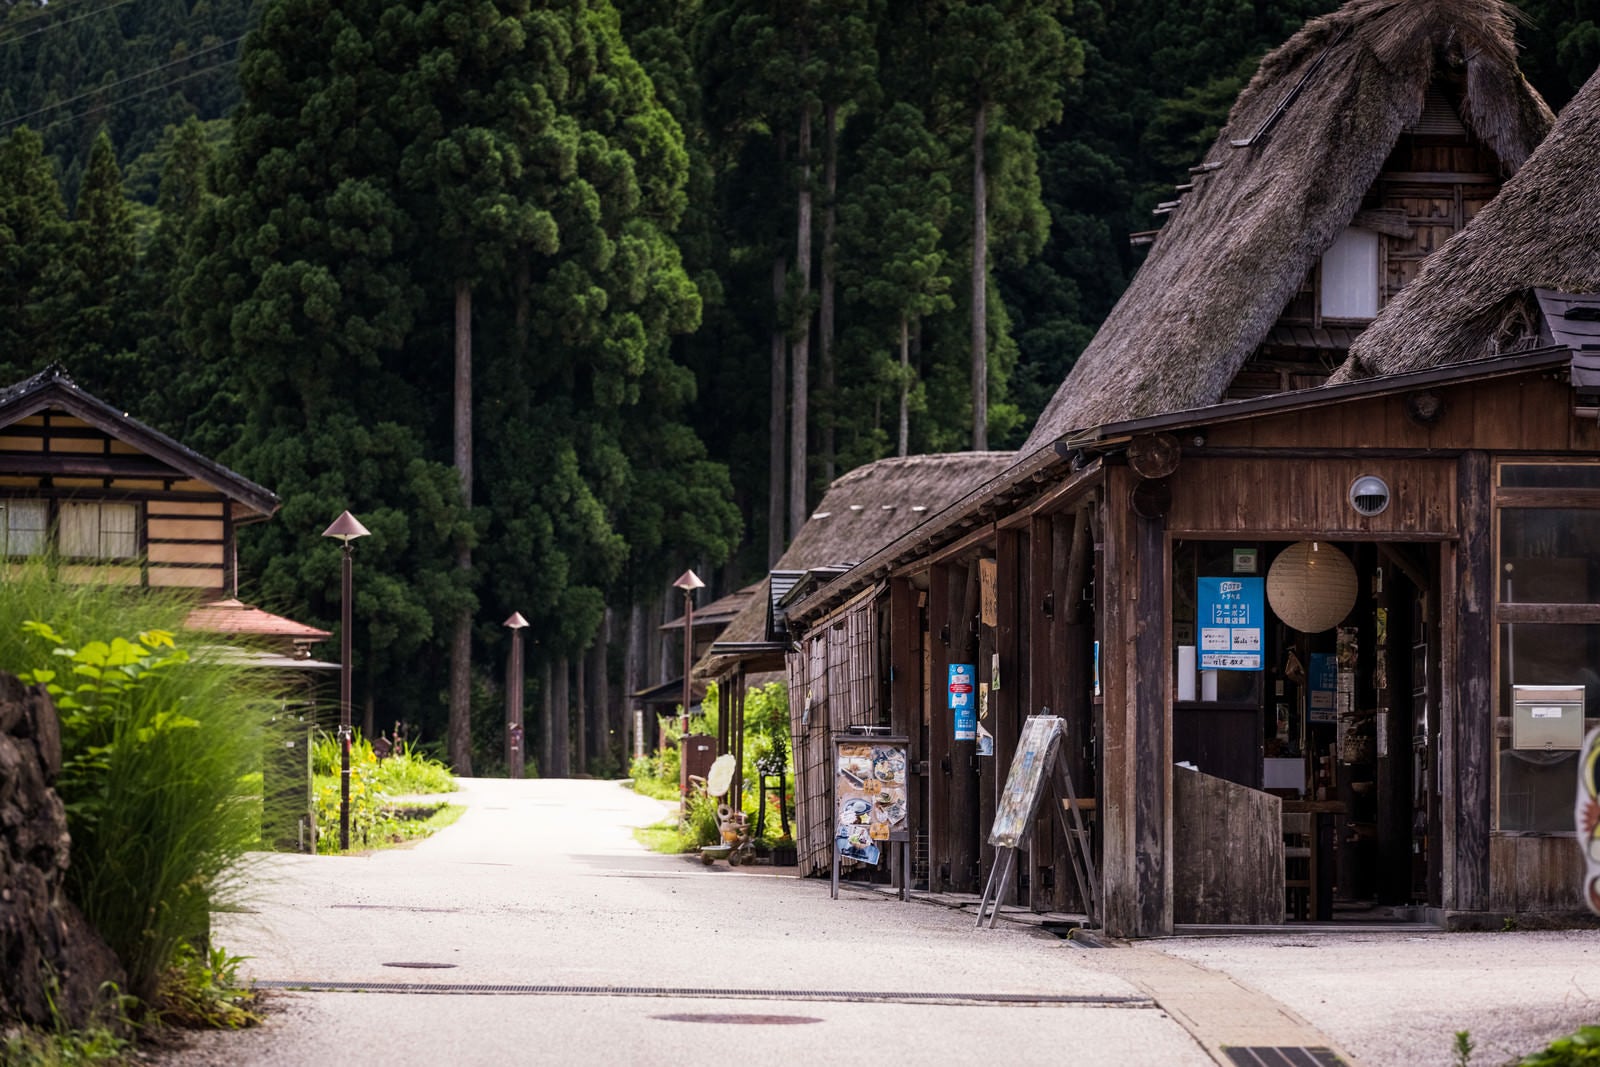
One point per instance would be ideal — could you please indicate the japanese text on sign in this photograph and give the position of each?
(1231, 623)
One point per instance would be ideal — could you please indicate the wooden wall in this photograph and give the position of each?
(1228, 850)
(185, 525)
(1533, 874)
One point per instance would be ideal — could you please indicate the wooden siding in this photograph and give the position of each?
(1293, 496)
(1532, 874)
(1228, 847)
(1529, 413)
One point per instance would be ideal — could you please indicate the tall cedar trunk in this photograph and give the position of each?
(800, 350)
(980, 284)
(561, 721)
(461, 645)
(635, 665)
(830, 217)
(547, 729)
(581, 713)
(777, 468)
(605, 716)
(905, 384)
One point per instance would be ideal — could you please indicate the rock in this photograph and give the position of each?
(53, 966)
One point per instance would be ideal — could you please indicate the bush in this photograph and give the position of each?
(1581, 1049)
(373, 784)
(161, 749)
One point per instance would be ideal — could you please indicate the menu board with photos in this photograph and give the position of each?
(869, 796)
(1036, 748)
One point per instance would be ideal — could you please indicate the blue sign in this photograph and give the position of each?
(1231, 624)
(963, 700)
(1321, 685)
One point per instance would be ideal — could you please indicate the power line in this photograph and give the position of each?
(124, 81)
(220, 65)
(59, 23)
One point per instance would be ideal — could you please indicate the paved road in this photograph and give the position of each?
(628, 957)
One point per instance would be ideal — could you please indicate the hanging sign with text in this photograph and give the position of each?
(1231, 623)
(963, 700)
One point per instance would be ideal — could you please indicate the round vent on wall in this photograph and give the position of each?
(1369, 495)
(1311, 586)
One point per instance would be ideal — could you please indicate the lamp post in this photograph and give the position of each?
(345, 528)
(688, 581)
(514, 732)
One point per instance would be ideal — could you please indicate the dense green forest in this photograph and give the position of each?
(562, 297)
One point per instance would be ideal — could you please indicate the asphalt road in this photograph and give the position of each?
(604, 952)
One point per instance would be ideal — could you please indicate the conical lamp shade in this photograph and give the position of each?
(1311, 588)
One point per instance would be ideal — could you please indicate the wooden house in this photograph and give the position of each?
(112, 498)
(1335, 558)
(861, 510)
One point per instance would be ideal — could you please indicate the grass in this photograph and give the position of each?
(162, 744)
(665, 837)
(656, 788)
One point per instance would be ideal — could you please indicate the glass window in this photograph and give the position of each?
(1350, 276)
(99, 530)
(1549, 556)
(1540, 654)
(1536, 789)
(23, 524)
(1551, 476)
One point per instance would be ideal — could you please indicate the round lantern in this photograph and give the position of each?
(1311, 586)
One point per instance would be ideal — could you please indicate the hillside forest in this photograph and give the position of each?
(562, 297)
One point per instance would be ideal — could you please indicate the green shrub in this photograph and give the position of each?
(1581, 1049)
(161, 751)
(409, 771)
(700, 821)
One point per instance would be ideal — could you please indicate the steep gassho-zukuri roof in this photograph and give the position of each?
(1324, 111)
(1474, 298)
(866, 509)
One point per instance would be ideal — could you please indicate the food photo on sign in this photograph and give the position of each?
(870, 784)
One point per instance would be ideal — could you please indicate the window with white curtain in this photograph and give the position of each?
(99, 530)
(1350, 276)
(23, 527)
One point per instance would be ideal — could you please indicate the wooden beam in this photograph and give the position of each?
(940, 727)
(1077, 482)
(963, 754)
(1148, 679)
(88, 465)
(1038, 607)
(951, 552)
(1531, 497)
(1548, 613)
(1473, 717)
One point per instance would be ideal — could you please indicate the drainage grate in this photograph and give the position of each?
(423, 966)
(852, 996)
(1284, 1056)
(738, 1020)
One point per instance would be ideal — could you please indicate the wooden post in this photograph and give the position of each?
(963, 798)
(1472, 720)
(1040, 611)
(1076, 655)
(941, 728)
(1005, 715)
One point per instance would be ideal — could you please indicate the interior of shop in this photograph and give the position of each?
(1310, 670)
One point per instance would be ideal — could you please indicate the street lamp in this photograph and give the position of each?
(514, 733)
(346, 528)
(688, 581)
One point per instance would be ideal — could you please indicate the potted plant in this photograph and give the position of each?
(784, 853)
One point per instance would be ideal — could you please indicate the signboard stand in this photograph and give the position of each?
(869, 805)
(1038, 755)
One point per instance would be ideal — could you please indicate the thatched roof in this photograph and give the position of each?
(1474, 297)
(864, 510)
(1325, 110)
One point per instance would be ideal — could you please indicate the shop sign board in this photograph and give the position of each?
(1231, 623)
(963, 700)
(869, 789)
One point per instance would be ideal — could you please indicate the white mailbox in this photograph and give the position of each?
(1547, 717)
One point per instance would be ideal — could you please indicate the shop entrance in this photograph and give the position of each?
(1310, 670)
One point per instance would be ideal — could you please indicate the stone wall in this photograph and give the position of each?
(53, 966)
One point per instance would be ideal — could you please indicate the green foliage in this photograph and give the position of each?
(201, 991)
(375, 818)
(161, 751)
(1463, 1048)
(1581, 1049)
(700, 824)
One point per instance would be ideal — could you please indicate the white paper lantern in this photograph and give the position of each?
(1311, 586)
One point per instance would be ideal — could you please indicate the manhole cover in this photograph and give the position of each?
(422, 966)
(738, 1020)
